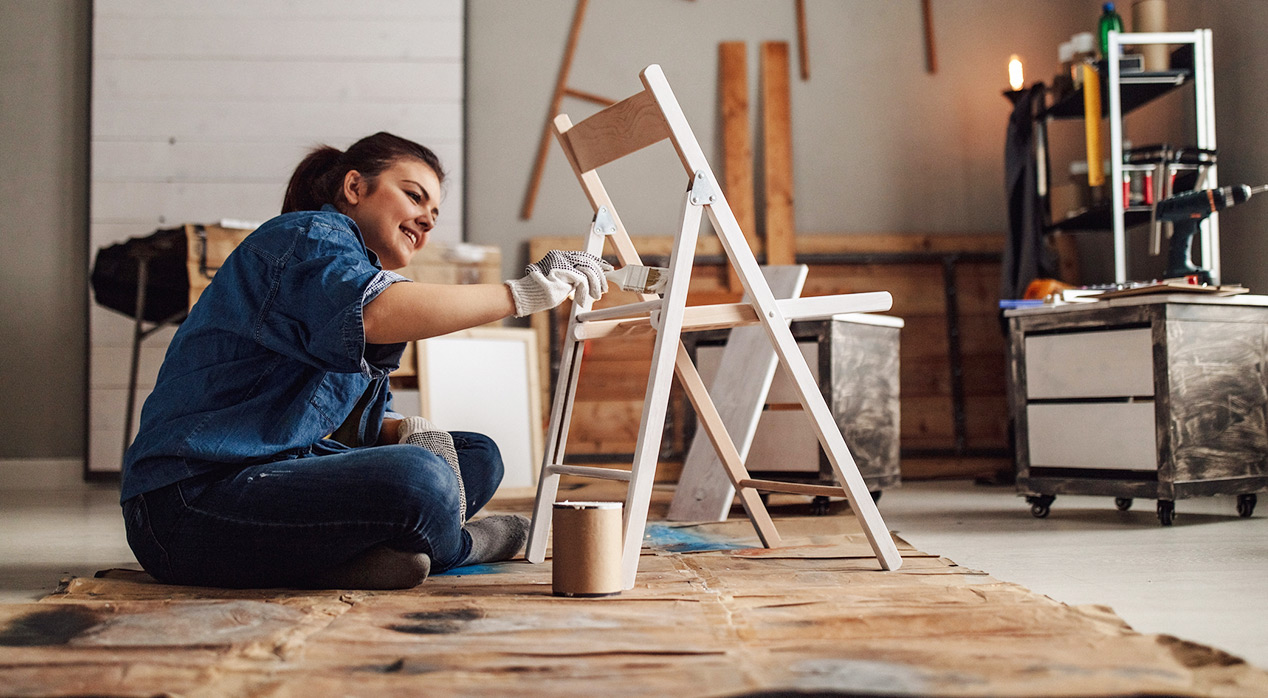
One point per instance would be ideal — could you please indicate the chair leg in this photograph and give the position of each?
(806, 386)
(833, 443)
(715, 428)
(557, 439)
(664, 355)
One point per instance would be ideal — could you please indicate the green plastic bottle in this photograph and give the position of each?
(1109, 21)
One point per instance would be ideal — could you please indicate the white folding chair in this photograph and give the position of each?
(648, 117)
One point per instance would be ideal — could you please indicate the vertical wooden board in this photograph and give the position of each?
(777, 147)
(803, 49)
(737, 144)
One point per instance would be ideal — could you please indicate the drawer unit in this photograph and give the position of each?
(1106, 435)
(1157, 397)
(1109, 363)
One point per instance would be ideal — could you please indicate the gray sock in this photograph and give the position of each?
(377, 568)
(496, 538)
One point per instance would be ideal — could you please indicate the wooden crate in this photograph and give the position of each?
(911, 267)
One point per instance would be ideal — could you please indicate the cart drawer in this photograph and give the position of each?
(1114, 363)
(1108, 435)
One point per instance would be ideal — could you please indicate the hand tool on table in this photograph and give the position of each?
(1186, 211)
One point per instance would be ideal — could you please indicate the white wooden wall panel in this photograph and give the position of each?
(111, 330)
(281, 81)
(295, 121)
(392, 10)
(109, 422)
(201, 110)
(230, 36)
(110, 365)
(205, 161)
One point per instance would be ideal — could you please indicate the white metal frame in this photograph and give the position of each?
(1204, 105)
(648, 117)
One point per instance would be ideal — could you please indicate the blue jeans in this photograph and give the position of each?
(282, 523)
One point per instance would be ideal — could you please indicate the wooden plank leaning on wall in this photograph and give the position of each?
(777, 151)
(737, 145)
(617, 371)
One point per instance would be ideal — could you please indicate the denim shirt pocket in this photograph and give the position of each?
(335, 397)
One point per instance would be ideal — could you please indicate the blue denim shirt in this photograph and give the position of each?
(272, 359)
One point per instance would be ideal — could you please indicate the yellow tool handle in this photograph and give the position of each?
(1092, 125)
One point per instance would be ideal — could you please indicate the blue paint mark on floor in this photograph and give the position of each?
(470, 570)
(684, 540)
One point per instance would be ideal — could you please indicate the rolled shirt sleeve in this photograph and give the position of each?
(313, 309)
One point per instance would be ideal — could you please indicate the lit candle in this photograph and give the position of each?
(1015, 79)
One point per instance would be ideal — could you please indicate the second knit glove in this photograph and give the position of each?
(421, 432)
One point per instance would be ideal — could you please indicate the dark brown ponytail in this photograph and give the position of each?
(318, 179)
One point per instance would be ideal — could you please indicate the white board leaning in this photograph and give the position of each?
(486, 380)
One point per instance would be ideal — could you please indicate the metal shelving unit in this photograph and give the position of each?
(1126, 93)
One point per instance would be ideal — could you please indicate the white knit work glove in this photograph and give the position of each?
(557, 276)
(421, 432)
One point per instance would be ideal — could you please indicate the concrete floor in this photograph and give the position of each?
(1203, 579)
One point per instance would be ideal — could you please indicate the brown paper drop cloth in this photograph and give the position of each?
(711, 615)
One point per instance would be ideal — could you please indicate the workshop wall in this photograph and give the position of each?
(879, 145)
(1241, 72)
(44, 69)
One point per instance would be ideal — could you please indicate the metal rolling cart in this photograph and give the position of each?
(1159, 397)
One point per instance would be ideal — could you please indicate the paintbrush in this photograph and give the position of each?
(639, 279)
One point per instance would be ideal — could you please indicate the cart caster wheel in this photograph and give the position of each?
(1123, 503)
(1246, 505)
(1040, 505)
(819, 506)
(1166, 512)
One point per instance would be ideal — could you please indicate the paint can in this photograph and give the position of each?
(586, 549)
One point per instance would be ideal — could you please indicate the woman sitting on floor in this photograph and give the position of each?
(267, 455)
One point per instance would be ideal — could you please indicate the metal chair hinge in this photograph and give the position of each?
(703, 189)
(604, 223)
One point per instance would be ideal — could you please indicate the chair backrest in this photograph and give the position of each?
(616, 131)
(644, 119)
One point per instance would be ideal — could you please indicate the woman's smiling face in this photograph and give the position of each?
(396, 211)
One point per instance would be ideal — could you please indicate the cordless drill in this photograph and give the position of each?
(1185, 211)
